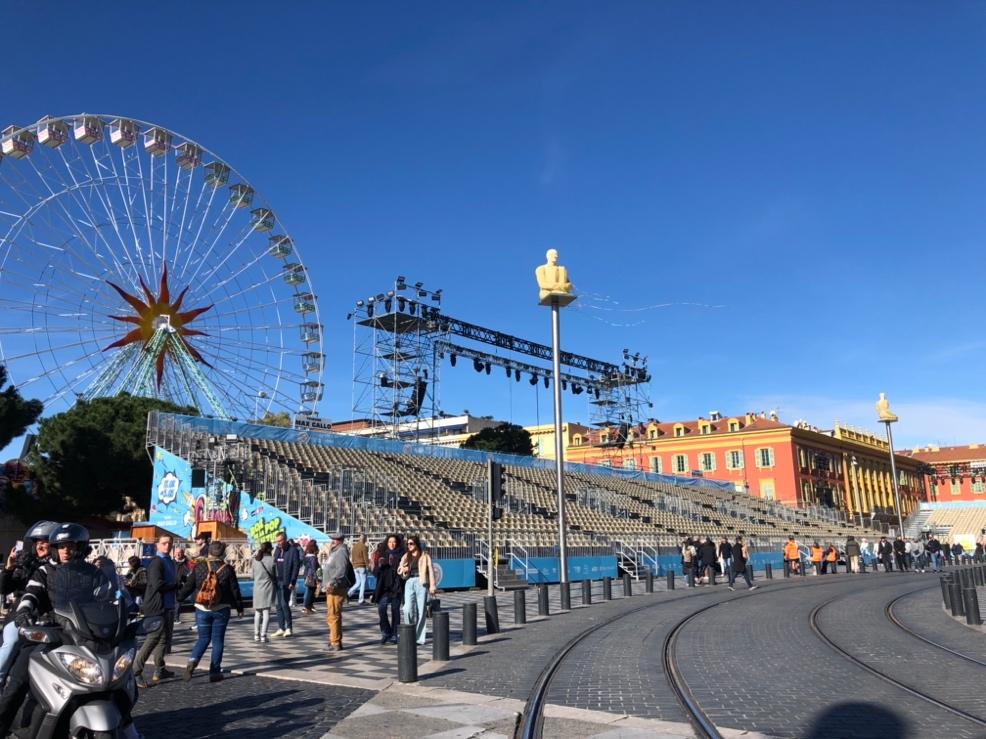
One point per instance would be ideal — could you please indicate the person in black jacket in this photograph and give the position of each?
(212, 619)
(740, 556)
(390, 589)
(900, 554)
(885, 552)
(287, 563)
(725, 554)
(159, 600)
(708, 554)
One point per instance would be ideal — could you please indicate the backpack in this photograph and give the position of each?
(208, 594)
(350, 575)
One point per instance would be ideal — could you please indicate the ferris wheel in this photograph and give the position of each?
(132, 260)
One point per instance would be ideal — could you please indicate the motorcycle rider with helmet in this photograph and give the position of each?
(21, 564)
(65, 568)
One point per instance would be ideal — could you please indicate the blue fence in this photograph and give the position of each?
(545, 569)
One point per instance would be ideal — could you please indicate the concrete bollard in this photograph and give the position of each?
(543, 600)
(627, 585)
(407, 654)
(670, 579)
(971, 604)
(607, 588)
(520, 607)
(957, 605)
(492, 614)
(768, 571)
(649, 581)
(439, 644)
(587, 592)
(469, 624)
(565, 596)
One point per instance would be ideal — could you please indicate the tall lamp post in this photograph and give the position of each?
(855, 488)
(555, 291)
(886, 417)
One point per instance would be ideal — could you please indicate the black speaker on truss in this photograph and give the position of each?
(198, 477)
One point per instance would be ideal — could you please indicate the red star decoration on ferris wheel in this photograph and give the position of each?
(152, 308)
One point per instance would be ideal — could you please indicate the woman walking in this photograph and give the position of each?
(264, 590)
(417, 568)
(313, 576)
(216, 594)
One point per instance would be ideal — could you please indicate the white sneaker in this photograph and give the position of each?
(256, 637)
(279, 632)
(287, 632)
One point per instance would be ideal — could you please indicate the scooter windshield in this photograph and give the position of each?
(82, 595)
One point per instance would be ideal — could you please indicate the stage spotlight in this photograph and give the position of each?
(369, 310)
(412, 307)
(596, 391)
(576, 389)
(451, 359)
(477, 365)
(508, 372)
(401, 303)
(401, 283)
(390, 293)
(564, 384)
(359, 304)
(388, 304)
(489, 368)
(534, 379)
(349, 316)
(517, 375)
(437, 296)
(547, 381)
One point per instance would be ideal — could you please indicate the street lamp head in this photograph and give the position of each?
(883, 410)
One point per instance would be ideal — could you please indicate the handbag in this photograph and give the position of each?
(432, 606)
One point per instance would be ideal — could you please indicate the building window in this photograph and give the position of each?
(767, 489)
(604, 438)
(734, 460)
(734, 425)
(652, 434)
(978, 488)
(680, 463)
(655, 465)
(707, 461)
(956, 488)
(630, 464)
(706, 429)
(765, 457)
(679, 430)
(577, 440)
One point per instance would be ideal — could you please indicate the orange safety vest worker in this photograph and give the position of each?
(791, 551)
(831, 555)
(816, 554)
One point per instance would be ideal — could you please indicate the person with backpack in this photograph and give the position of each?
(688, 562)
(217, 593)
(136, 580)
(312, 573)
(339, 577)
(264, 590)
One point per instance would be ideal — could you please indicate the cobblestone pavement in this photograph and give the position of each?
(922, 612)
(243, 707)
(755, 664)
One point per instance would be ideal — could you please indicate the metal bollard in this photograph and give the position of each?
(946, 593)
(768, 571)
(407, 654)
(670, 579)
(627, 585)
(565, 596)
(803, 569)
(649, 581)
(971, 603)
(862, 565)
(439, 636)
(542, 600)
(587, 592)
(492, 614)
(607, 588)
(520, 607)
(957, 605)
(787, 568)
(753, 570)
(712, 576)
(469, 623)
(981, 574)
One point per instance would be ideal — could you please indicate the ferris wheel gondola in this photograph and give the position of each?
(133, 260)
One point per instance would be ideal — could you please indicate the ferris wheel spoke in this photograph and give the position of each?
(148, 211)
(233, 275)
(202, 221)
(236, 376)
(184, 213)
(243, 237)
(128, 206)
(37, 282)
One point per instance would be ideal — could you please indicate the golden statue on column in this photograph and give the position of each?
(553, 285)
(883, 410)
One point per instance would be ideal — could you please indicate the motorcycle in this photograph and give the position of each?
(81, 678)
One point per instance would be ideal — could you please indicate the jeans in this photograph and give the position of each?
(212, 626)
(746, 575)
(388, 628)
(261, 618)
(309, 597)
(689, 576)
(934, 557)
(415, 595)
(360, 584)
(285, 596)
(11, 640)
(156, 644)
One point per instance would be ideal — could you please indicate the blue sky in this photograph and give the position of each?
(815, 171)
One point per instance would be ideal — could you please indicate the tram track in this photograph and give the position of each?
(531, 721)
(879, 674)
(889, 612)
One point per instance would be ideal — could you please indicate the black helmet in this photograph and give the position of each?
(73, 532)
(40, 530)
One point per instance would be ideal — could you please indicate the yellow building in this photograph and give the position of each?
(543, 437)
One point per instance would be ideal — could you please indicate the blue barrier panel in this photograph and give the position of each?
(545, 569)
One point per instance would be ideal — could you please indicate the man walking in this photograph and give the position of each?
(852, 554)
(885, 552)
(740, 555)
(917, 555)
(900, 554)
(336, 584)
(287, 563)
(934, 553)
(159, 600)
(361, 560)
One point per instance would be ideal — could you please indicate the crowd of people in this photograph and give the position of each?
(702, 560)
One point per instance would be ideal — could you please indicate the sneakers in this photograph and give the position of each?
(754, 587)
(141, 682)
(263, 638)
(256, 637)
(287, 632)
(279, 632)
(732, 588)
(189, 669)
(335, 647)
(215, 677)
(384, 640)
(162, 674)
